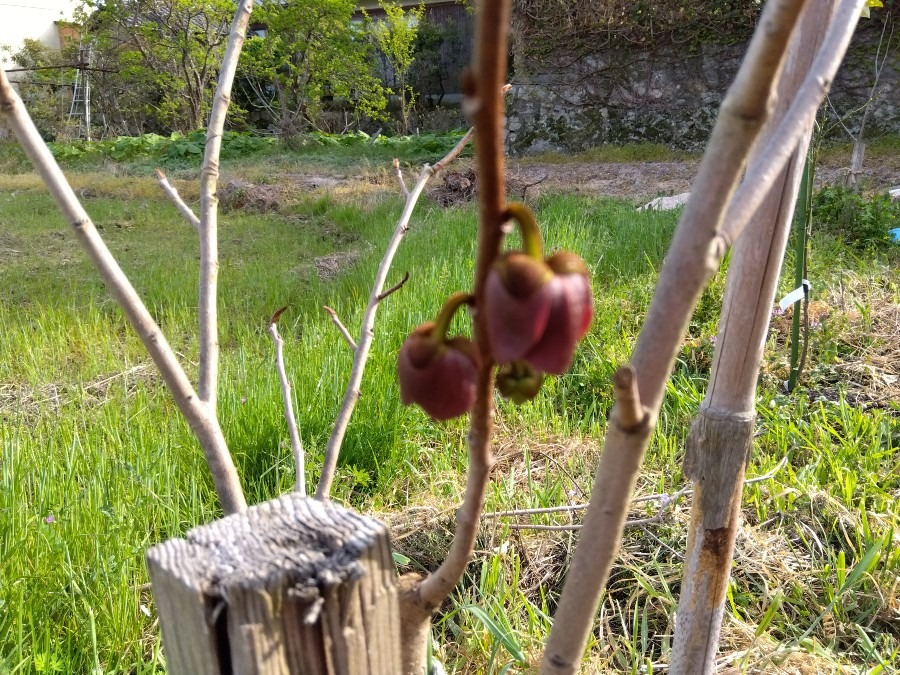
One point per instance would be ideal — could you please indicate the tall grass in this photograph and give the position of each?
(97, 465)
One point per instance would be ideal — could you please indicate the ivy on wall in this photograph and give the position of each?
(589, 25)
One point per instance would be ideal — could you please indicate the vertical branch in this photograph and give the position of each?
(694, 255)
(719, 444)
(202, 422)
(483, 87)
(209, 174)
(293, 432)
(367, 335)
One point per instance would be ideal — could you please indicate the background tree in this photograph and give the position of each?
(395, 34)
(165, 54)
(307, 50)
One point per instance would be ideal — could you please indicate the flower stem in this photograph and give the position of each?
(448, 311)
(528, 227)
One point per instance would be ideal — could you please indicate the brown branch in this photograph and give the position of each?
(209, 174)
(484, 101)
(202, 422)
(694, 255)
(393, 289)
(341, 327)
(172, 193)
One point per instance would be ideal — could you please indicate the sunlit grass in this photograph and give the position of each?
(97, 465)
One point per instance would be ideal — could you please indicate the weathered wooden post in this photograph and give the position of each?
(288, 587)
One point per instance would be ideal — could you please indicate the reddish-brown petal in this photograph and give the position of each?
(570, 316)
(514, 324)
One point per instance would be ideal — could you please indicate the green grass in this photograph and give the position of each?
(90, 436)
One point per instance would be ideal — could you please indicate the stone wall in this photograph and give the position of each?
(572, 102)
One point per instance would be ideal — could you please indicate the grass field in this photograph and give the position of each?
(97, 466)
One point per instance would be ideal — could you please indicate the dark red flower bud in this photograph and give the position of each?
(536, 309)
(519, 382)
(438, 373)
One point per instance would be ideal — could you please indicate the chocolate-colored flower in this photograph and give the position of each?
(537, 310)
(436, 372)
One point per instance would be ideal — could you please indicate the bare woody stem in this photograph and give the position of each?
(719, 444)
(364, 344)
(209, 174)
(367, 334)
(204, 425)
(293, 431)
(696, 251)
(767, 164)
(172, 194)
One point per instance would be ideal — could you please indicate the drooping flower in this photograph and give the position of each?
(537, 310)
(519, 382)
(439, 373)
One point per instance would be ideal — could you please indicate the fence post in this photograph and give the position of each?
(288, 587)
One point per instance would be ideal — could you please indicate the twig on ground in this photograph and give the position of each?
(202, 422)
(296, 444)
(665, 498)
(172, 193)
(341, 327)
(209, 174)
(393, 289)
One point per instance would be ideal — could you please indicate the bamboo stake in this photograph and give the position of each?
(696, 251)
(209, 174)
(204, 424)
(720, 440)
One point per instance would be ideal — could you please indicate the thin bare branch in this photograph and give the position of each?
(296, 444)
(694, 255)
(393, 289)
(663, 497)
(209, 174)
(172, 194)
(484, 99)
(403, 189)
(484, 102)
(769, 163)
(204, 425)
(352, 393)
(341, 327)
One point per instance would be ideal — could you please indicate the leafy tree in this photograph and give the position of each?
(308, 50)
(395, 34)
(164, 55)
(46, 87)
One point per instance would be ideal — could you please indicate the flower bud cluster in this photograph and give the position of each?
(536, 310)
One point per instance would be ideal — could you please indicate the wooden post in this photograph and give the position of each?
(288, 587)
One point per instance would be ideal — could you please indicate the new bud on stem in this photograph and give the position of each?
(519, 382)
(438, 373)
(537, 310)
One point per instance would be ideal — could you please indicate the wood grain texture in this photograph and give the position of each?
(289, 586)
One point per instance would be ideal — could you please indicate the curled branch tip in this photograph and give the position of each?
(393, 289)
(277, 314)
